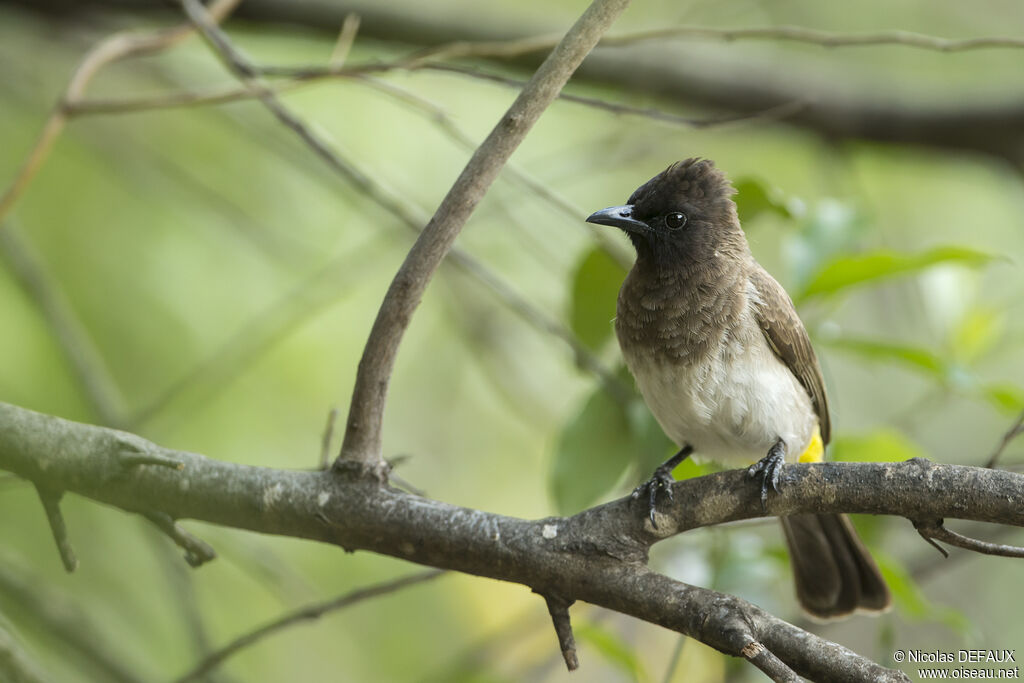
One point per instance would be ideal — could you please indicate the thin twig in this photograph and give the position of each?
(310, 612)
(1015, 430)
(773, 667)
(51, 505)
(197, 551)
(778, 112)
(116, 47)
(72, 338)
(362, 442)
(934, 530)
(510, 49)
(559, 611)
(346, 37)
(800, 34)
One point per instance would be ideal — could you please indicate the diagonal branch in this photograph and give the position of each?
(362, 442)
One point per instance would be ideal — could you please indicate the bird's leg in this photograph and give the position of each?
(661, 480)
(769, 468)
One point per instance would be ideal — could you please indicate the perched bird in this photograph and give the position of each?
(726, 366)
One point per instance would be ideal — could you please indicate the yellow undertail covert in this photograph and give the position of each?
(815, 451)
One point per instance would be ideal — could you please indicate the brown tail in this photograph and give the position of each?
(834, 572)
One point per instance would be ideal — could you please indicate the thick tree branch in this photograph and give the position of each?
(595, 556)
(362, 441)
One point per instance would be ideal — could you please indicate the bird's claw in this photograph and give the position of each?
(661, 480)
(769, 468)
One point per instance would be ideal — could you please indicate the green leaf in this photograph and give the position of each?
(753, 198)
(850, 271)
(913, 603)
(595, 288)
(913, 357)
(884, 445)
(977, 333)
(593, 451)
(612, 648)
(1007, 397)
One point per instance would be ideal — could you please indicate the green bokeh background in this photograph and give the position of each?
(170, 232)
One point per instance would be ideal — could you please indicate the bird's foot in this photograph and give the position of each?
(661, 480)
(769, 468)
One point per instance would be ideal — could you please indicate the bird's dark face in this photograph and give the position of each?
(685, 214)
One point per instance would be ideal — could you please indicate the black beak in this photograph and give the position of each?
(618, 217)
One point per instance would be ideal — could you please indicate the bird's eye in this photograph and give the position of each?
(675, 220)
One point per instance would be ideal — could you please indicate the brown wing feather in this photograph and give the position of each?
(788, 338)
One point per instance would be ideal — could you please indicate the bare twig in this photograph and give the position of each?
(935, 531)
(116, 47)
(51, 505)
(774, 113)
(346, 37)
(197, 552)
(362, 442)
(310, 612)
(86, 362)
(312, 75)
(773, 667)
(518, 47)
(559, 611)
(1015, 430)
(800, 34)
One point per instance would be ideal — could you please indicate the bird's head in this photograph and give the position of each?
(685, 214)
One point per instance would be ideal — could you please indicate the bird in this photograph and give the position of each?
(726, 366)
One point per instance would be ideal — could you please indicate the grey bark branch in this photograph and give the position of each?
(595, 556)
(362, 440)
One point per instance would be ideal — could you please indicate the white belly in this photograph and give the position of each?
(732, 408)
